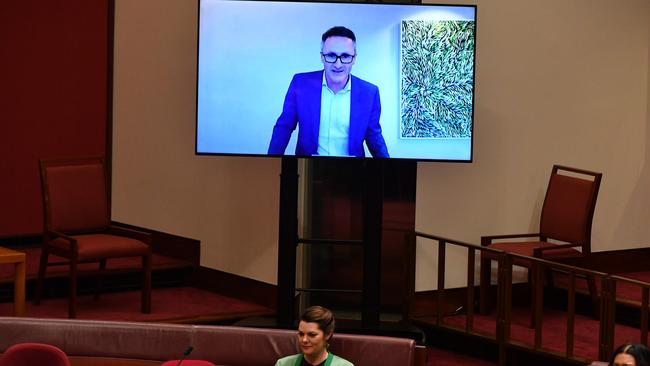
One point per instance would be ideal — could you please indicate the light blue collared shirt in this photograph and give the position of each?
(334, 120)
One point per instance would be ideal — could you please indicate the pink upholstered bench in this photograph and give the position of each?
(103, 343)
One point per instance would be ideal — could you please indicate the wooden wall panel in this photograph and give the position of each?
(54, 90)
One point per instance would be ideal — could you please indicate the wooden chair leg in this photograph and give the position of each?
(72, 299)
(484, 286)
(99, 286)
(146, 284)
(41, 276)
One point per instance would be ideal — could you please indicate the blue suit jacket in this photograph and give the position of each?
(302, 106)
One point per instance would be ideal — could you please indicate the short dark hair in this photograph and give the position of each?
(321, 316)
(639, 352)
(339, 31)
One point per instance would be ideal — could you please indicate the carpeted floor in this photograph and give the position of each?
(553, 331)
(180, 304)
(625, 292)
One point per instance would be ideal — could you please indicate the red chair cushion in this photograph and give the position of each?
(32, 354)
(527, 248)
(188, 363)
(98, 246)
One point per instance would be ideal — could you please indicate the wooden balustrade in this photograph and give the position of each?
(605, 312)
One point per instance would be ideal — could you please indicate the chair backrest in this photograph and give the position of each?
(34, 354)
(569, 205)
(75, 194)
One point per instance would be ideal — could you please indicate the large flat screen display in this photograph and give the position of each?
(326, 79)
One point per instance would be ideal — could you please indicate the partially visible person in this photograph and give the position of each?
(315, 330)
(631, 354)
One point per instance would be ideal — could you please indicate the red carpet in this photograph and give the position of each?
(181, 304)
(553, 331)
(624, 291)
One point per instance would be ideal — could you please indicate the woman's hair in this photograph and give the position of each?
(639, 352)
(321, 316)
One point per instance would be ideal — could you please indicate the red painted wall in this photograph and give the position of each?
(53, 96)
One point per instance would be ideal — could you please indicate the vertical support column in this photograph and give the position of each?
(440, 291)
(372, 217)
(287, 242)
(409, 288)
(607, 318)
(471, 270)
(504, 306)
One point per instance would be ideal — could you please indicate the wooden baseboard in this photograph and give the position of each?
(171, 245)
(21, 241)
(207, 278)
(236, 286)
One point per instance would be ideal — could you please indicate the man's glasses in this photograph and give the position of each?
(331, 58)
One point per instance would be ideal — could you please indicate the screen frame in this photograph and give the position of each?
(370, 3)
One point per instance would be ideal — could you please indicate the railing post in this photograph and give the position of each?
(538, 301)
(441, 281)
(607, 318)
(411, 247)
(471, 262)
(571, 308)
(504, 304)
(287, 243)
(644, 316)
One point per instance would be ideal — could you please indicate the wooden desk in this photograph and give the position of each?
(8, 256)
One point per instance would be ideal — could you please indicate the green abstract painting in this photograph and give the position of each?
(437, 79)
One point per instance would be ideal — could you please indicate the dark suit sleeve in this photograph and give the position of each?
(286, 123)
(374, 138)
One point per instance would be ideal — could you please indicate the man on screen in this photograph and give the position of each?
(336, 111)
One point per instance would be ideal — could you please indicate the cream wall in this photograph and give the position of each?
(229, 204)
(556, 82)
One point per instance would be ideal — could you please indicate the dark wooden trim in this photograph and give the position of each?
(372, 234)
(171, 245)
(440, 289)
(110, 46)
(236, 286)
(644, 315)
(285, 293)
(409, 289)
(21, 241)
